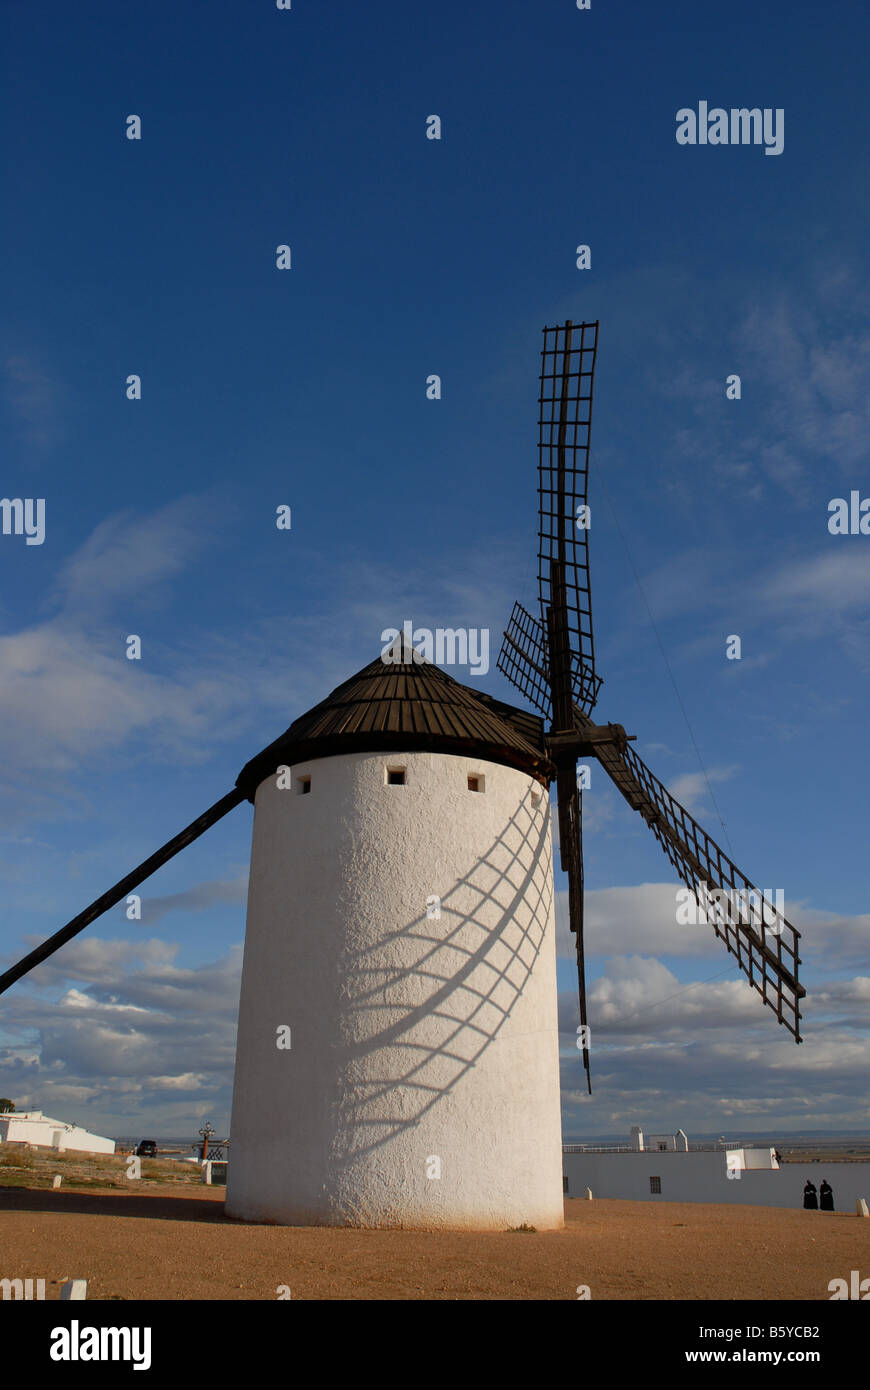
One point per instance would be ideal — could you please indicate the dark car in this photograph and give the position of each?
(147, 1149)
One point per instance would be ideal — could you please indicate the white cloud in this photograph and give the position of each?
(692, 789)
(641, 999)
(129, 553)
(136, 1035)
(830, 940)
(37, 400)
(833, 582)
(818, 370)
(67, 691)
(195, 899)
(187, 1081)
(641, 918)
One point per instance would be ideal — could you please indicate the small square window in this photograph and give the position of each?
(395, 777)
(476, 782)
(303, 785)
(655, 1184)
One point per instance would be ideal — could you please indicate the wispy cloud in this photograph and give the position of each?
(130, 555)
(805, 370)
(820, 374)
(36, 400)
(669, 1053)
(833, 582)
(642, 920)
(137, 1035)
(196, 899)
(692, 789)
(68, 694)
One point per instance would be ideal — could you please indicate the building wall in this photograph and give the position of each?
(27, 1128)
(415, 1041)
(701, 1177)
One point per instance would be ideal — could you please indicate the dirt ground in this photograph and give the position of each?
(150, 1245)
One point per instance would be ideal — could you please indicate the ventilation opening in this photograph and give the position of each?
(395, 777)
(655, 1184)
(476, 782)
(303, 786)
(564, 1183)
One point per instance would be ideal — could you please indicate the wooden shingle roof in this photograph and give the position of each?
(406, 707)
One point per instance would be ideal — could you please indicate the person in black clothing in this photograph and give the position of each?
(826, 1196)
(810, 1201)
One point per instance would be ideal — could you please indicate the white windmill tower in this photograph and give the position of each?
(397, 1058)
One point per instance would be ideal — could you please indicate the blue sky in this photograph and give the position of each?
(306, 387)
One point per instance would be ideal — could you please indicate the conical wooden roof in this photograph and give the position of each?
(406, 708)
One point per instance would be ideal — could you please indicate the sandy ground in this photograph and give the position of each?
(154, 1246)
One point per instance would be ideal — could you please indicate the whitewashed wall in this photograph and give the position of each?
(27, 1129)
(413, 1040)
(700, 1177)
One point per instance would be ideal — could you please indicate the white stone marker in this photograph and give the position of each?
(861, 1207)
(56, 1180)
(75, 1288)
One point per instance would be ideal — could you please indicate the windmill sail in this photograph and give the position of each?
(523, 659)
(766, 950)
(551, 661)
(564, 425)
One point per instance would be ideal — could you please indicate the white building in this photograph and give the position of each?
(667, 1168)
(32, 1127)
(397, 1060)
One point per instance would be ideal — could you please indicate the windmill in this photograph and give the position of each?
(400, 937)
(551, 661)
